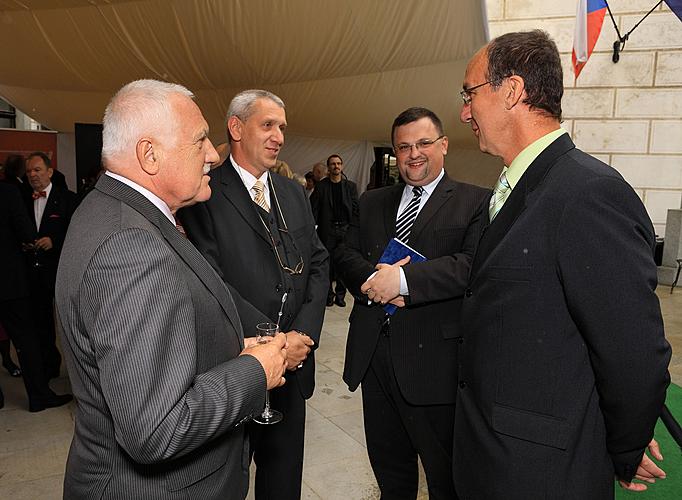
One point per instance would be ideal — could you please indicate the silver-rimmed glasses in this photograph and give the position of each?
(466, 92)
(421, 145)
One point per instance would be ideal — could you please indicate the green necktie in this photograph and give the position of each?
(500, 195)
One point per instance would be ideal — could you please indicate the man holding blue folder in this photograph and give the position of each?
(406, 362)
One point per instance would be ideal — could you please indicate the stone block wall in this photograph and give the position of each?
(628, 114)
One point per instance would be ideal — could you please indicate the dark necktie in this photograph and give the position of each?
(403, 225)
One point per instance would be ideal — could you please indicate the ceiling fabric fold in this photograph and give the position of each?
(345, 69)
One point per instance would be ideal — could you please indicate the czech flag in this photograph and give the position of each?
(676, 7)
(588, 24)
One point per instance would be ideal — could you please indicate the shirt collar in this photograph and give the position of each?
(523, 160)
(158, 202)
(47, 190)
(248, 178)
(428, 189)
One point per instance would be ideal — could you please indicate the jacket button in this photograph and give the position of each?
(462, 384)
(278, 288)
(468, 292)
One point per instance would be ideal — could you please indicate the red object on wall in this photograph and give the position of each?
(25, 142)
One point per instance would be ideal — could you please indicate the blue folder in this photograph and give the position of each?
(394, 251)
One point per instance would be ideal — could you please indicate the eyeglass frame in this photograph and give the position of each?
(298, 269)
(466, 92)
(404, 148)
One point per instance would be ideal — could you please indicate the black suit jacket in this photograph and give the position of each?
(15, 229)
(61, 204)
(228, 231)
(425, 334)
(563, 370)
(322, 202)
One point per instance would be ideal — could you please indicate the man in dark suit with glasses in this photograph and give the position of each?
(258, 231)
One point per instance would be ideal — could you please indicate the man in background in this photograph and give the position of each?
(309, 183)
(319, 171)
(335, 203)
(563, 369)
(16, 316)
(258, 232)
(50, 207)
(154, 343)
(406, 363)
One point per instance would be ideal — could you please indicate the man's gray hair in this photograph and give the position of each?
(242, 104)
(138, 108)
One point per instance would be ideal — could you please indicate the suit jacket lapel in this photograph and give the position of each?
(443, 191)
(179, 243)
(391, 209)
(516, 203)
(232, 188)
(51, 205)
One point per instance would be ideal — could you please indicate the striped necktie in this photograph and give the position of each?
(259, 198)
(403, 225)
(500, 194)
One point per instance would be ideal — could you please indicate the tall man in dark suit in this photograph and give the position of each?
(258, 232)
(335, 203)
(563, 368)
(154, 343)
(50, 207)
(407, 362)
(15, 313)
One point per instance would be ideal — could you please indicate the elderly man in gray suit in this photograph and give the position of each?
(154, 346)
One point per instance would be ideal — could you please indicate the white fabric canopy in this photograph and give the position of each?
(345, 68)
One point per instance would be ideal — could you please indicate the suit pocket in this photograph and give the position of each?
(530, 426)
(449, 330)
(520, 274)
(197, 465)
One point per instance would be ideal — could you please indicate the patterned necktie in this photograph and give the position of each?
(259, 198)
(39, 194)
(403, 225)
(500, 195)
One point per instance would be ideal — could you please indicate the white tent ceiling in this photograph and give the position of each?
(345, 68)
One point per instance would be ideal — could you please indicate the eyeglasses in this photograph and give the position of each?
(298, 268)
(423, 145)
(466, 92)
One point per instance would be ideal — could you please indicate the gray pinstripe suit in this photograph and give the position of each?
(152, 343)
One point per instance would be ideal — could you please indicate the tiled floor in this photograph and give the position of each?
(33, 447)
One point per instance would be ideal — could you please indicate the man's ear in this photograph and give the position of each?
(514, 92)
(234, 128)
(144, 150)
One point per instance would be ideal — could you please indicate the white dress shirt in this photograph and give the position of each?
(39, 205)
(249, 180)
(404, 201)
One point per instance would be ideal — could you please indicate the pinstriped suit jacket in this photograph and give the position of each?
(152, 342)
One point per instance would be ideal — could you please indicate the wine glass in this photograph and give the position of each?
(265, 331)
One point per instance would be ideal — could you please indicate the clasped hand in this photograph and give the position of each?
(384, 285)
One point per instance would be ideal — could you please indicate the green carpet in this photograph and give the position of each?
(669, 488)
